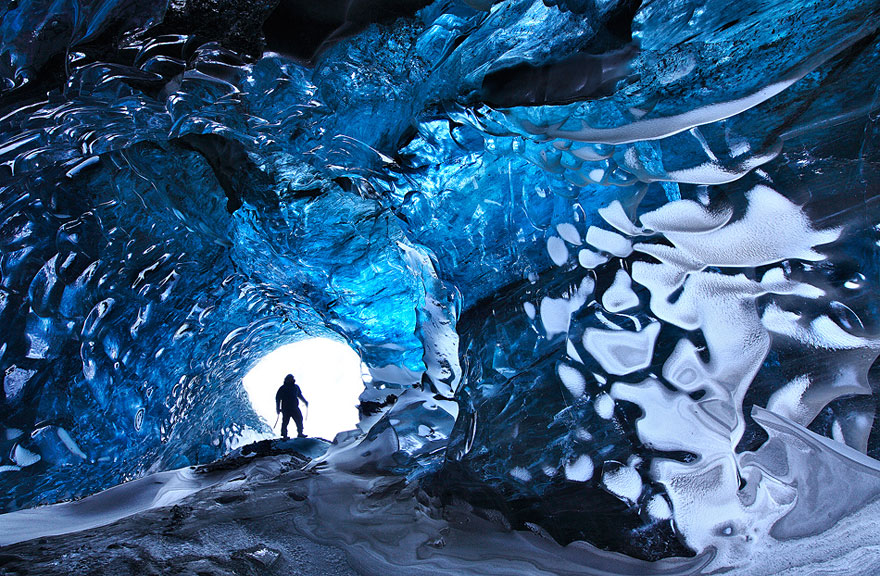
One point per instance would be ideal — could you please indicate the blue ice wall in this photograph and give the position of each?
(612, 265)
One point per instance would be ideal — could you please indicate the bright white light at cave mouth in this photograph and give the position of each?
(329, 374)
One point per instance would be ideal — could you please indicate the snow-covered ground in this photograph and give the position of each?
(267, 513)
(154, 491)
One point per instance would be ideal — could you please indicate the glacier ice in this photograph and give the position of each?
(611, 265)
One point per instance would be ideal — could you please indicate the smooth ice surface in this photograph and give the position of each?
(580, 248)
(620, 295)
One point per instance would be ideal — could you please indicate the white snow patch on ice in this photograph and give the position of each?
(610, 242)
(620, 296)
(615, 215)
(558, 250)
(569, 233)
(655, 128)
(624, 482)
(822, 332)
(685, 216)
(521, 474)
(573, 380)
(684, 369)
(787, 401)
(772, 229)
(153, 491)
(556, 312)
(71, 445)
(580, 470)
(658, 508)
(621, 351)
(589, 259)
(604, 406)
(24, 457)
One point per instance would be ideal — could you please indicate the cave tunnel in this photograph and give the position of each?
(596, 277)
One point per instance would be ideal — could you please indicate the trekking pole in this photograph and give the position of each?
(276, 421)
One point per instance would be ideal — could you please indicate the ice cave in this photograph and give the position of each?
(605, 275)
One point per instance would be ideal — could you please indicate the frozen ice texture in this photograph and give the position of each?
(576, 244)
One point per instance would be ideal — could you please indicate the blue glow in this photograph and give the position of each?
(589, 251)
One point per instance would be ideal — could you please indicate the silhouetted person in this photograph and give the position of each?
(287, 403)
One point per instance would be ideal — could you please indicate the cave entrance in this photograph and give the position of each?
(329, 373)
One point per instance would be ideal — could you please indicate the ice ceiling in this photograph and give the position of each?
(612, 264)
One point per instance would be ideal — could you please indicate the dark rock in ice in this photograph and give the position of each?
(234, 25)
(301, 29)
(580, 77)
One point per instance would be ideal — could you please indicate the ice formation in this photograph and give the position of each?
(611, 265)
